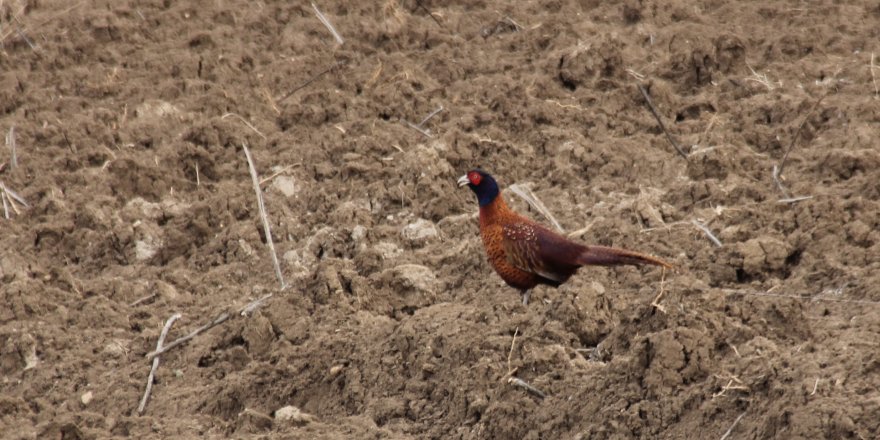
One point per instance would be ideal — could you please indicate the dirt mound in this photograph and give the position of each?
(129, 119)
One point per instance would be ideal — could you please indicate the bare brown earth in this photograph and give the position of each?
(394, 325)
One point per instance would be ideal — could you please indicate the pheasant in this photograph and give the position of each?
(526, 254)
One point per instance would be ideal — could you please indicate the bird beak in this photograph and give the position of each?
(463, 180)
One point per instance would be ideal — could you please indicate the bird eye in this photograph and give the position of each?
(475, 178)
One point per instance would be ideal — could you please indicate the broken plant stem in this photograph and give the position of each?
(526, 194)
(431, 115)
(256, 304)
(13, 195)
(327, 23)
(262, 207)
(660, 122)
(778, 181)
(10, 142)
(729, 430)
(873, 77)
(515, 381)
(421, 130)
(708, 232)
(243, 120)
(510, 370)
(794, 199)
(309, 81)
(140, 301)
(150, 378)
(217, 321)
(656, 302)
(797, 134)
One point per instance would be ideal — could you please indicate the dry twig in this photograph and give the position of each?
(431, 115)
(873, 77)
(777, 169)
(140, 301)
(217, 321)
(526, 194)
(10, 142)
(421, 130)
(708, 232)
(760, 78)
(143, 404)
(10, 197)
(660, 122)
(310, 80)
(278, 173)
(515, 381)
(256, 304)
(327, 24)
(798, 133)
(245, 123)
(420, 126)
(510, 370)
(656, 302)
(730, 386)
(794, 199)
(729, 430)
(5, 205)
(420, 5)
(263, 216)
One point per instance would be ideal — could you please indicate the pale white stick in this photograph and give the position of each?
(874, 78)
(162, 336)
(536, 203)
(418, 128)
(708, 232)
(13, 195)
(10, 142)
(327, 24)
(263, 216)
(5, 205)
(243, 120)
(428, 118)
(794, 199)
(515, 381)
(729, 430)
(219, 320)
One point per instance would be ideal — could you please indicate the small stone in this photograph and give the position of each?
(387, 250)
(154, 109)
(87, 397)
(358, 233)
(414, 277)
(292, 414)
(285, 185)
(146, 249)
(335, 370)
(116, 348)
(246, 248)
(419, 232)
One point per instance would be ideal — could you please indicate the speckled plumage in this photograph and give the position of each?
(526, 254)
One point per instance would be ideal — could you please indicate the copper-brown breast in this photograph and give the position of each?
(492, 234)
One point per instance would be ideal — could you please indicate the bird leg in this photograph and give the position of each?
(525, 297)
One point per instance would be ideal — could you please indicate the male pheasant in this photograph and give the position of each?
(526, 254)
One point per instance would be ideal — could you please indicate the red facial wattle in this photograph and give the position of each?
(475, 178)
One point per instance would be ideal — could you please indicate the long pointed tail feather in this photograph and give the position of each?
(606, 256)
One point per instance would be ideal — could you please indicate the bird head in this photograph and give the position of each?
(482, 184)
